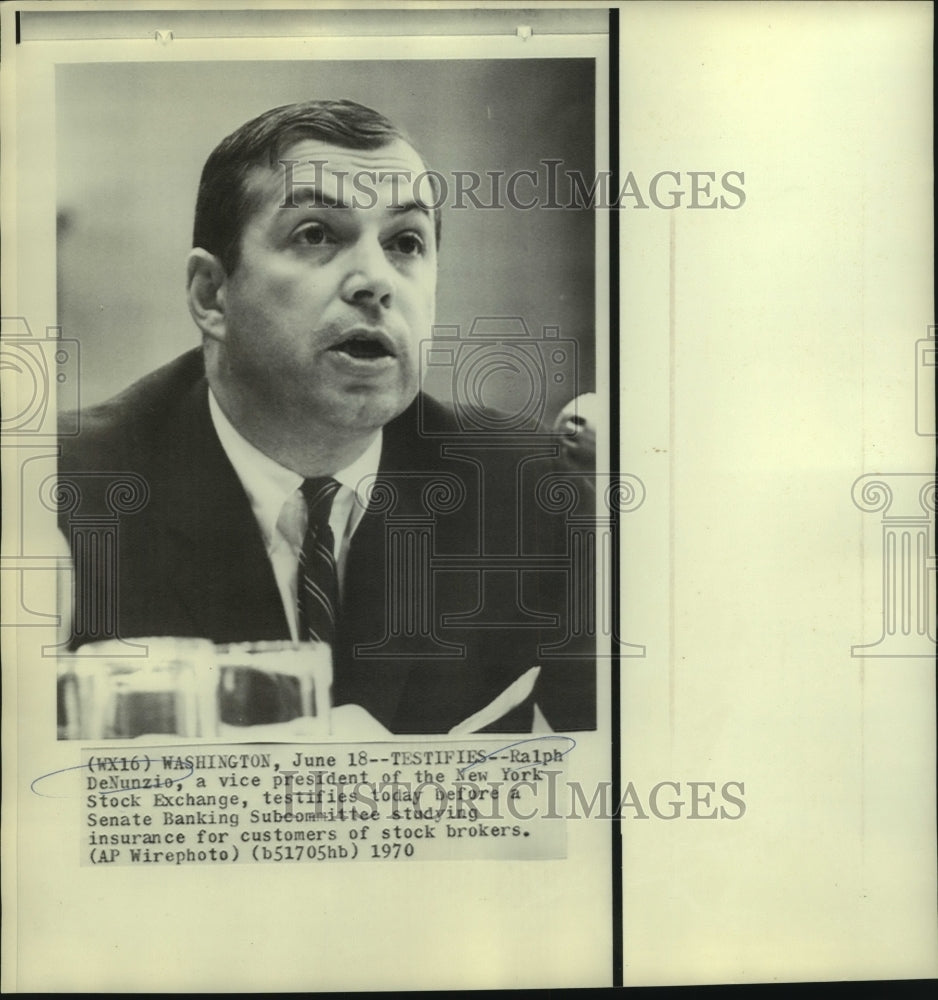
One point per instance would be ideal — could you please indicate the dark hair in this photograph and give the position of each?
(224, 202)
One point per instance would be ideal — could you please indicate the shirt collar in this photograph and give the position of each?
(359, 476)
(268, 484)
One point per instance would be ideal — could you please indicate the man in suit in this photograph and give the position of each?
(313, 296)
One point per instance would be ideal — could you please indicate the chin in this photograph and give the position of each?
(371, 412)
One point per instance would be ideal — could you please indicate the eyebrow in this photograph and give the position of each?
(310, 196)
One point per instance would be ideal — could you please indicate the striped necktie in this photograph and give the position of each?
(317, 583)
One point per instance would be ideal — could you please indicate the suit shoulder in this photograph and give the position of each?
(435, 417)
(122, 429)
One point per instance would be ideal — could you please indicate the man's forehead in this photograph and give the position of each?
(316, 156)
(330, 168)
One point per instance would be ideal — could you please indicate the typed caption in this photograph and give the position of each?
(289, 804)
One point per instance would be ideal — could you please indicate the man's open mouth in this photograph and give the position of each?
(364, 346)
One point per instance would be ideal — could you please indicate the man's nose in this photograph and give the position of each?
(370, 279)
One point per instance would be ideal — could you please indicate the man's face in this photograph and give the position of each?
(326, 309)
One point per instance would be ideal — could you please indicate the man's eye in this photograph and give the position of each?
(313, 234)
(409, 244)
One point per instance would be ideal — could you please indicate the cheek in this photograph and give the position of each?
(274, 311)
(270, 285)
(424, 305)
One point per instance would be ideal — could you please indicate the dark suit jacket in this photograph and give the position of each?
(191, 561)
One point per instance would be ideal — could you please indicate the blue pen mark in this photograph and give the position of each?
(530, 739)
(151, 782)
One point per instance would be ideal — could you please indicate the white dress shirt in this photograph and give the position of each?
(280, 510)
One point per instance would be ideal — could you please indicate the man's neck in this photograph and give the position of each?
(308, 450)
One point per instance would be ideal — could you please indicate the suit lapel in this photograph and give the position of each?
(214, 555)
(378, 682)
(223, 575)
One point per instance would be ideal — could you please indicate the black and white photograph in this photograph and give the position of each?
(440, 418)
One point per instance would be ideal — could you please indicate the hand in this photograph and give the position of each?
(576, 428)
(356, 723)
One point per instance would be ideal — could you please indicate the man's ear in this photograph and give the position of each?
(206, 287)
